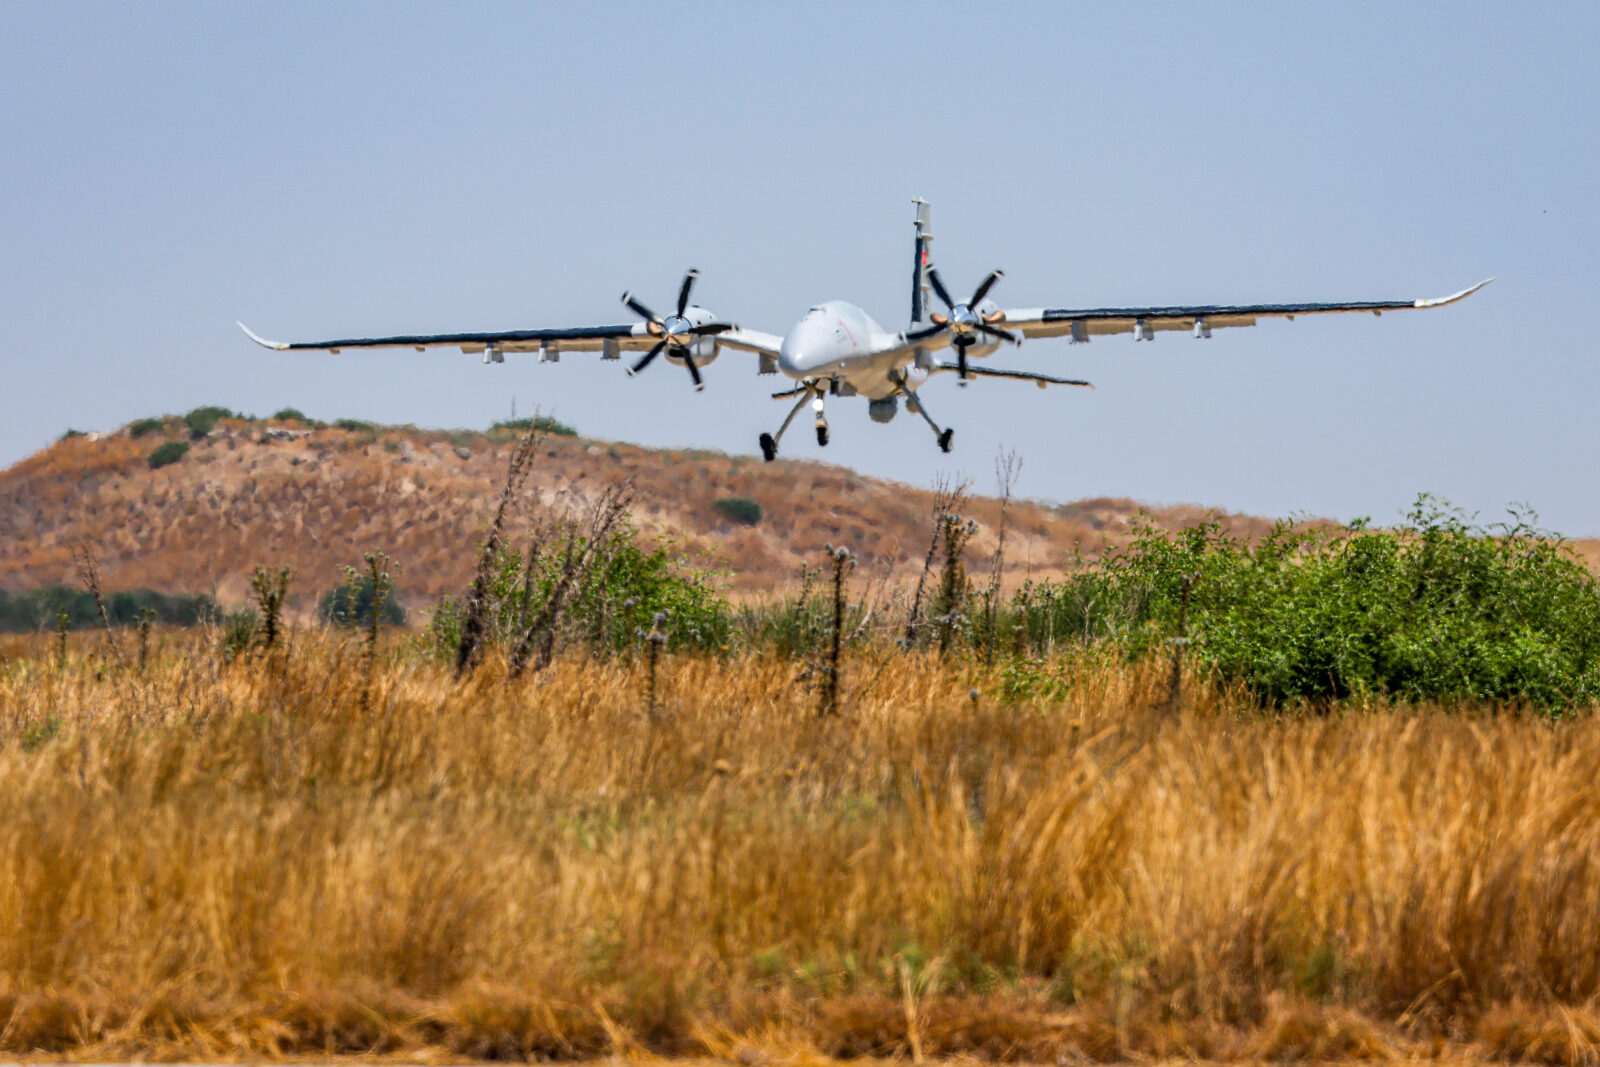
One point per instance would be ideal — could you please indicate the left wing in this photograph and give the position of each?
(580, 339)
(1144, 323)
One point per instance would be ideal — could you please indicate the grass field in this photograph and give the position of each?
(293, 856)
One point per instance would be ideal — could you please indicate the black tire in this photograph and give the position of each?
(769, 448)
(822, 435)
(945, 439)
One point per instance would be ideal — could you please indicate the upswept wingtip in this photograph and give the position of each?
(276, 346)
(1453, 297)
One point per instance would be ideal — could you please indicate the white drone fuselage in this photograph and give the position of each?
(838, 340)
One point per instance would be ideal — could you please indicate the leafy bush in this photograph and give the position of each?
(290, 415)
(239, 632)
(37, 609)
(351, 604)
(168, 452)
(70, 434)
(739, 509)
(1437, 609)
(541, 422)
(202, 421)
(353, 425)
(141, 427)
(610, 610)
(798, 626)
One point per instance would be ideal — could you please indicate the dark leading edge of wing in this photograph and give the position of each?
(1230, 311)
(1221, 310)
(582, 333)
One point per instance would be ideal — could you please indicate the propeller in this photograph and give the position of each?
(677, 333)
(965, 324)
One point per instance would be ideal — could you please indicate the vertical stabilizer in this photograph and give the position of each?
(919, 271)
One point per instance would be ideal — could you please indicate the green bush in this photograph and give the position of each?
(1437, 609)
(290, 415)
(70, 434)
(353, 425)
(142, 427)
(739, 509)
(202, 421)
(542, 422)
(168, 452)
(799, 626)
(351, 604)
(611, 611)
(37, 609)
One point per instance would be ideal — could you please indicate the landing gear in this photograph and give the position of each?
(914, 403)
(822, 434)
(822, 421)
(769, 441)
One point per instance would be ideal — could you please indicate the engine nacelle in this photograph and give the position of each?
(704, 352)
(703, 349)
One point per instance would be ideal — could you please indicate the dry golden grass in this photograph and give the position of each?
(236, 861)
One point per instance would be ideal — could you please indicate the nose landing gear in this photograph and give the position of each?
(807, 392)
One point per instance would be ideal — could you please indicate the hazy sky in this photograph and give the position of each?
(323, 170)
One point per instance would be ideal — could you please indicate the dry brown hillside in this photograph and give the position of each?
(273, 493)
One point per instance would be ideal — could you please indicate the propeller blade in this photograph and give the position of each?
(961, 363)
(644, 361)
(694, 371)
(1004, 335)
(639, 309)
(983, 287)
(938, 287)
(713, 327)
(683, 293)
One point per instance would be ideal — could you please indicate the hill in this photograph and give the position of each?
(317, 497)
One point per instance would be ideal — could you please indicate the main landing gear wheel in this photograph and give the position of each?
(944, 439)
(769, 448)
(822, 435)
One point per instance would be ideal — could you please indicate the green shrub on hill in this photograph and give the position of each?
(352, 425)
(351, 604)
(290, 415)
(39, 608)
(168, 452)
(142, 427)
(739, 509)
(1437, 609)
(203, 420)
(545, 423)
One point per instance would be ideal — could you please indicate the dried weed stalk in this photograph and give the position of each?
(474, 627)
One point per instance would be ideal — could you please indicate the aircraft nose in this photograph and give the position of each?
(799, 354)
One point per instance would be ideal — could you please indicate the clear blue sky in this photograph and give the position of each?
(320, 169)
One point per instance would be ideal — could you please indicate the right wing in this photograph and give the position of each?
(1083, 323)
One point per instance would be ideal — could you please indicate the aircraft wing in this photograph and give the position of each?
(635, 337)
(1082, 323)
(762, 344)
